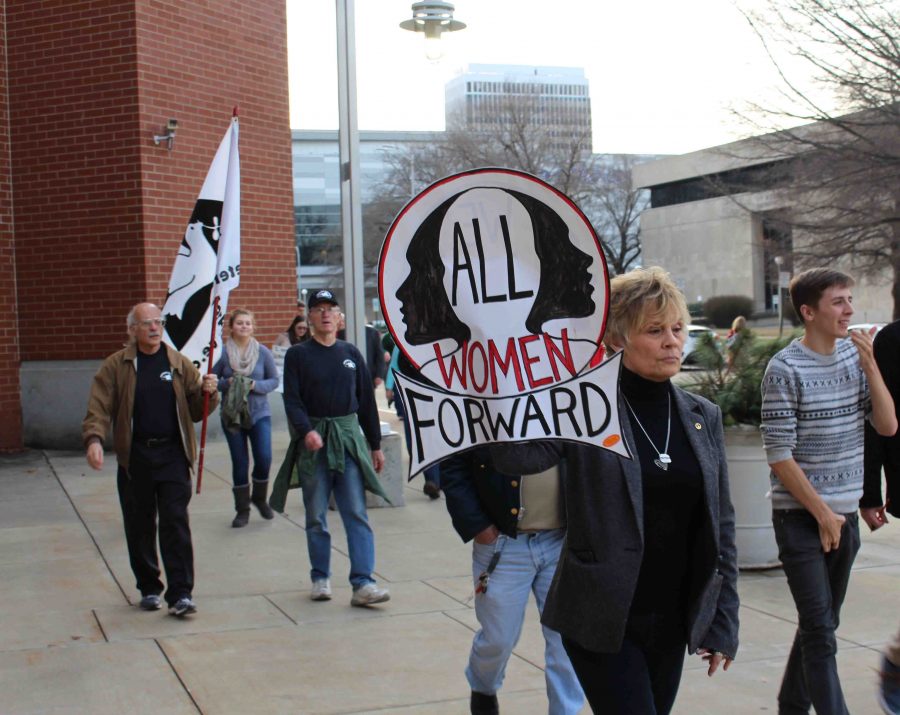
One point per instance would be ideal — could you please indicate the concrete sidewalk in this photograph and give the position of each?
(73, 640)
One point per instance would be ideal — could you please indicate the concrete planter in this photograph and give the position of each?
(748, 475)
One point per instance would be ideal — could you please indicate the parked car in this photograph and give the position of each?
(692, 342)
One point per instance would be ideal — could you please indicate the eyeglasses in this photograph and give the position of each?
(324, 311)
(152, 322)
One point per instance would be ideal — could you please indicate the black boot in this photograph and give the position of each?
(259, 499)
(481, 704)
(241, 506)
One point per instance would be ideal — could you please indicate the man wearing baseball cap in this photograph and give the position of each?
(328, 396)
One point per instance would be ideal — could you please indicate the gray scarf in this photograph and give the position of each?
(242, 361)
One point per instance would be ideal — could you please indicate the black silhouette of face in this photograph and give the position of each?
(564, 291)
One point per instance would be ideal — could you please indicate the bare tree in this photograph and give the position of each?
(843, 182)
(517, 135)
(615, 208)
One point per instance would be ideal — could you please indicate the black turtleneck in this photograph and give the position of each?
(673, 500)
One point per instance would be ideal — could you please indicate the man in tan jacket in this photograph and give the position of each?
(151, 395)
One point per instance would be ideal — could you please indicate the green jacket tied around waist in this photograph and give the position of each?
(340, 436)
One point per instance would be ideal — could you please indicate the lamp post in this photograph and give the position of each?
(432, 18)
(351, 204)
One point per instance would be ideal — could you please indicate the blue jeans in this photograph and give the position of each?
(818, 583)
(526, 565)
(260, 436)
(350, 498)
(433, 473)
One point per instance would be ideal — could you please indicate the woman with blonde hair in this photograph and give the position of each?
(247, 373)
(649, 566)
(735, 338)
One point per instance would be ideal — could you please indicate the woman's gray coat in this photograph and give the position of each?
(591, 594)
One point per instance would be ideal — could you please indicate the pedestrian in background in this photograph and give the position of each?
(246, 374)
(735, 339)
(297, 332)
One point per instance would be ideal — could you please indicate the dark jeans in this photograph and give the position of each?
(641, 679)
(818, 583)
(142, 497)
(260, 436)
(433, 473)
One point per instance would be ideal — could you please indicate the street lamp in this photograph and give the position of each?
(432, 17)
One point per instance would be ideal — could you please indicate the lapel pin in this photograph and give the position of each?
(697, 425)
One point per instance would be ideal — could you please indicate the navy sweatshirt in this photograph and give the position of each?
(321, 381)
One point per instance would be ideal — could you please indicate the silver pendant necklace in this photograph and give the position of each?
(664, 459)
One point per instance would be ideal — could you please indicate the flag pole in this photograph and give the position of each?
(209, 369)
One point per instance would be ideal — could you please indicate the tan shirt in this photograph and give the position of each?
(541, 507)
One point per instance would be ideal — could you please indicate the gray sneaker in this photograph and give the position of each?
(321, 590)
(182, 607)
(150, 602)
(369, 594)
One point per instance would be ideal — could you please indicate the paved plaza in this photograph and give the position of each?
(73, 640)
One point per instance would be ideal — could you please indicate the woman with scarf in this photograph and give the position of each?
(247, 373)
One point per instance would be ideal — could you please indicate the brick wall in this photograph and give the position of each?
(76, 173)
(10, 407)
(195, 63)
(99, 209)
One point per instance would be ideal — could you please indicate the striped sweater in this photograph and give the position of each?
(813, 407)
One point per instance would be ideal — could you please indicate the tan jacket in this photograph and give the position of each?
(112, 401)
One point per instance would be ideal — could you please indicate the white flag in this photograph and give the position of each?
(208, 263)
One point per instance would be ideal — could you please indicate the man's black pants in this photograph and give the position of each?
(165, 491)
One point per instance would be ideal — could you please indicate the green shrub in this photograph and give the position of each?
(723, 309)
(735, 389)
(695, 310)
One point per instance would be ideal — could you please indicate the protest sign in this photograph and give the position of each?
(495, 288)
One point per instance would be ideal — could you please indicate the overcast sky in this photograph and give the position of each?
(664, 76)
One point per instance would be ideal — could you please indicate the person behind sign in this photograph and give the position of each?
(151, 394)
(516, 522)
(649, 564)
(247, 374)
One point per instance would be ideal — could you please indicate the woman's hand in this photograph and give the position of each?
(713, 658)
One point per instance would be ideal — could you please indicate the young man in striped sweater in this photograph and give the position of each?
(817, 392)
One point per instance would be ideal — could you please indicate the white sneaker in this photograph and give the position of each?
(369, 594)
(321, 590)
